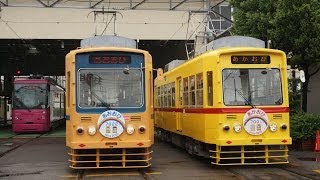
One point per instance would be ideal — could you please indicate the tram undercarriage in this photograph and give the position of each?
(110, 158)
(228, 155)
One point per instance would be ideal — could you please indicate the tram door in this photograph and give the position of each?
(179, 105)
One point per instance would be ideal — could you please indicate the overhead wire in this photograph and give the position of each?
(6, 23)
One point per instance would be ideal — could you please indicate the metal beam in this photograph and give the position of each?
(97, 4)
(4, 4)
(218, 4)
(42, 3)
(53, 4)
(178, 5)
(134, 7)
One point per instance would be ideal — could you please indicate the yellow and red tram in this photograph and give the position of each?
(229, 104)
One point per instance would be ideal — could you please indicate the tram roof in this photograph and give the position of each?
(107, 48)
(226, 50)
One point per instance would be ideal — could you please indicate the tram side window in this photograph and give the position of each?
(165, 94)
(199, 98)
(168, 95)
(192, 91)
(185, 92)
(173, 90)
(158, 96)
(210, 88)
(161, 96)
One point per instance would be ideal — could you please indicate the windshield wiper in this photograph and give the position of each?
(22, 104)
(248, 101)
(105, 104)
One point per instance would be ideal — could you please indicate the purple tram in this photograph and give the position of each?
(37, 104)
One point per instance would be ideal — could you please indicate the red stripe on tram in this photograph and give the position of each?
(223, 110)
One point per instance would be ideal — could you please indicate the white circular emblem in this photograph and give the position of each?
(255, 121)
(111, 124)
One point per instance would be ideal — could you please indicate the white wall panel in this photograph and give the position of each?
(68, 23)
(116, 4)
(313, 94)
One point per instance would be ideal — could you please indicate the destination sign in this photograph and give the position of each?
(109, 59)
(250, 59)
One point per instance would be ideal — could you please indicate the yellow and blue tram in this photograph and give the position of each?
(109, 106)
(229, 104)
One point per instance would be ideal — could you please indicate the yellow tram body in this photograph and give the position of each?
(93, 133)
(199, 106)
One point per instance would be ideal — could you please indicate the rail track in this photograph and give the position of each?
(271, 172)
(169, 162)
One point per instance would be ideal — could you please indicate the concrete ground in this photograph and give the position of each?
(36, 156)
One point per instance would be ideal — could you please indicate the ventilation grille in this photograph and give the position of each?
(231, 117)
(277, 116)
(85, 118)
(135, 118)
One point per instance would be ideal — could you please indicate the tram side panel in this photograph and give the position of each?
(192, 122)
(177, 109)
(70, 88)
(56, 105)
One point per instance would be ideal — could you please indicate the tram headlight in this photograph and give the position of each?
(130, 129)
(284, 126)
(80, 130)
(92, 130)
(142, 129)
(237, 128)
(273, 127)
(226, 127)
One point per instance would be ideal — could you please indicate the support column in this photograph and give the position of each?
(8, 86)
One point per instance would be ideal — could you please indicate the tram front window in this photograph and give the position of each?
(110, 88)
(30, 96)
(252, 87)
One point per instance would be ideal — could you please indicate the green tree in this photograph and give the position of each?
(253, 18)
(297, 29)
(292, 25)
